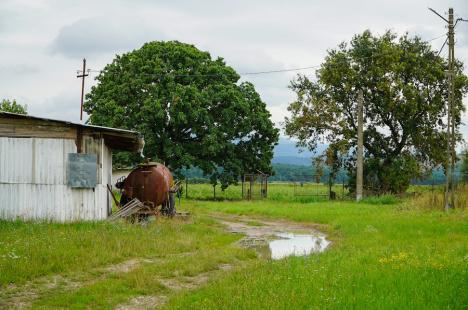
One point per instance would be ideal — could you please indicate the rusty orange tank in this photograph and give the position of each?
(152, 183)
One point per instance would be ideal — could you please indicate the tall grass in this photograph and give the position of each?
(434, 199)
(417, 196)
(29, 250)
(381, 257)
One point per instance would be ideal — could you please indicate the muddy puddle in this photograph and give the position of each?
(276, 239)
(296, 245)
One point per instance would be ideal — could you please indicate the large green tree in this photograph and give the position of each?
(12, 106)
(405, 98)
(191, 109)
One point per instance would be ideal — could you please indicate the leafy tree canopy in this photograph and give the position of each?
(190, 108)
(13, 107)
(405, 98)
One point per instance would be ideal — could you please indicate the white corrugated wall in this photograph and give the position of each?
(33, 180)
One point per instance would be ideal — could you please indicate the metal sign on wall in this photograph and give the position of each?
(82, 170)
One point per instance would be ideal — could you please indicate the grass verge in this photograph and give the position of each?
(383, 257)
(386, 253)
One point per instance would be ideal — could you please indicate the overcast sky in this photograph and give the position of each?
(42, 42)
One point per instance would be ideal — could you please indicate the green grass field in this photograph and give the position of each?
(306, 192)
(383, 257)
(386, 253)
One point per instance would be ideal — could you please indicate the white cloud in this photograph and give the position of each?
(103, 35)
(18, 69)
(42, 42)
(65, 105)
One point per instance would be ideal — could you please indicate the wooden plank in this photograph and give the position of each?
(8, 130)
(127, 210)
(32, 121)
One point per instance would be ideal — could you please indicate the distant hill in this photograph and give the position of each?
(286, 152)
(291, 160)
(292, 164)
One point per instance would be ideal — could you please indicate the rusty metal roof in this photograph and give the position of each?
(120, 139)
(98, 128)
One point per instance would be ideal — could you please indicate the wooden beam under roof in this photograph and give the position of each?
(25, 126)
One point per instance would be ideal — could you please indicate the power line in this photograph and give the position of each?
(438, 37)
(261, 72)
(241, 73)
(460, 20)
(442, 46)
(278, 71)
(433, 11)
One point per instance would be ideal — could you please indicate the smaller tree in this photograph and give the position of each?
(464, 166)
(333, 161)
(405, 94)
(317, 162)
(11, 106)
(380, 178)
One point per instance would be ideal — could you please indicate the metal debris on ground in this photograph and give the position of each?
(132, 207)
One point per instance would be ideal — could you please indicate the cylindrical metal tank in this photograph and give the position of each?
(151, 183)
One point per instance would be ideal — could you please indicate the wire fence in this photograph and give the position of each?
(317, 185)
(304, 188)
(254, 186)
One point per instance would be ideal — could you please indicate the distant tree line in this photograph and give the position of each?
(304, 173)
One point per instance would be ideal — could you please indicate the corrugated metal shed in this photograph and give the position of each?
(33, 169)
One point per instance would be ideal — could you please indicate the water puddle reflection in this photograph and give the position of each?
(291, 244)
(276, 239)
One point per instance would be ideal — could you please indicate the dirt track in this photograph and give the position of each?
(258, 233)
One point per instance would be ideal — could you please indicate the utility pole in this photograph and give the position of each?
(451, 73)
(360, 148)
(450, 120)
(449, 198)
(82, 76)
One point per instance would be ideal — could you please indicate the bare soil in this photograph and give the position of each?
(175, 284)
(22, 296)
